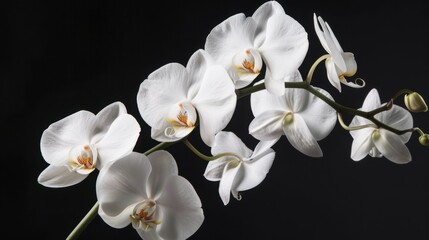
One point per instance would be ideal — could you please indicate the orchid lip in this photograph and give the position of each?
(182, 118)
(143, 216)
(82, 159)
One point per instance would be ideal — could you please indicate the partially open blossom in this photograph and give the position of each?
(148, 193)
(379, 142)
(76, 145)
(415, 102)
(339, 64)
(242, 44)
(242, 169)
(173, 98)
(299, 115)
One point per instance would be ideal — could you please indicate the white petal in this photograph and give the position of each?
(163, 166)
(122, 184)
(285, 46)
(320, 34)
(196, 67)
(164, 88)
(262, 147)
(351, 65)
(61, 136)
(261, 16)
(334, 39)
(105, 117)
(182, 215)
(254, 172)
(214, 169)
(274, 86)
(59, 176)
(215, 102)
(362, 143)
(301, 138)
(399, 118)
(233, 35)
(226, 182)
(319, 116)
(264, 101)
(332, 74)
(120, 220)
(267, 126)
(392, 147)
(335, 52)
(372, 101)
(229, 142)
(119, 140)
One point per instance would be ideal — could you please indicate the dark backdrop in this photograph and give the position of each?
(63, 56)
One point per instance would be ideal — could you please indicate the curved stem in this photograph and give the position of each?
(84, 222)
(313, 67)
(400, 92)
(338, 107)
(205, 157)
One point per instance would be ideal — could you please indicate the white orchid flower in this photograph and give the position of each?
(172, 97)
(148, 193)
(299, 115)
(243, 169)
(76, 145)
(339, 64)
(379, 142)
(241, 44)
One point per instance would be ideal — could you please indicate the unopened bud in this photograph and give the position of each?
(424, 140)
(415, 103)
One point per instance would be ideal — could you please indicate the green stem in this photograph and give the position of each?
(94, 210)
(402, 91)
(313, 67)
(84, 222)
(338, 107)
(205, 157)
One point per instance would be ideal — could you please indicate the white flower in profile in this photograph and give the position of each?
(148, 193)
(339, 64)
(379, 142)
(299, 115)
(76, 145)
(242, 44)
(241, 169)
(170, 99)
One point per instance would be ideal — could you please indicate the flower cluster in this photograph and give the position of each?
(145, 190)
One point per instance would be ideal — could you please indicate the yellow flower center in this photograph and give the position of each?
(143, 216)
(82, 159)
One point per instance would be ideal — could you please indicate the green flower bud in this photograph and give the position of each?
(424, 140)
(415, 103)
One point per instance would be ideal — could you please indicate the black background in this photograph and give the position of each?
(63, 56)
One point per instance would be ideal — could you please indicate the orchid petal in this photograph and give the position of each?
(331, 71)
(105, 117)
(392, 147)
(300, 137)
(362, 143)
(372, 101)
(399, 118)
(252, 173)
(196, 67)
(335, 52)
(233, 35)
(261, 16)
(214, 169)
(181, 209)
(164, 88)
(122, 184)
(119, 140)
(229, 142)
(225, 184)
(285, 46)
(59, 176)
(263, 101)
(320, 34)
(319, 116)
(262, 147)
(163, 166)
(119, 220)
(267, 126)
(61, 136)
(215, 102)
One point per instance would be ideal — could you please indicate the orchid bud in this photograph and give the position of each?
(415, 102)
(424, 140)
